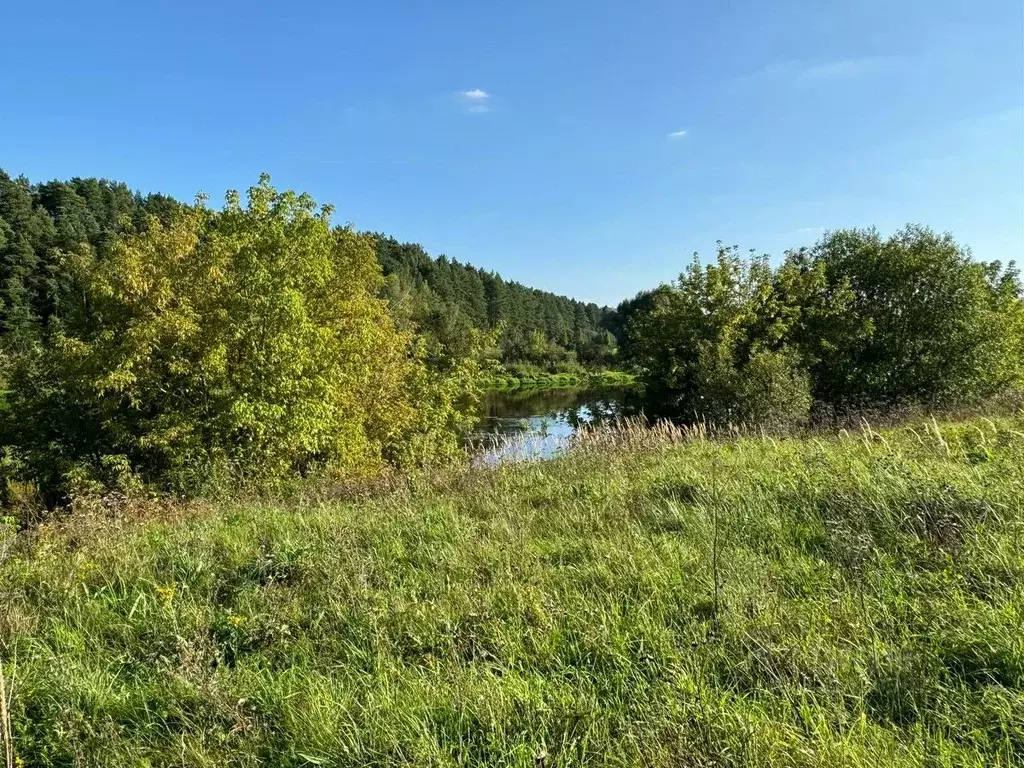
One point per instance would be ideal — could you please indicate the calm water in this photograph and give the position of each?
(530, 424)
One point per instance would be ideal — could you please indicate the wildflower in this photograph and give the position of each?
(236, 621)
(165, 593)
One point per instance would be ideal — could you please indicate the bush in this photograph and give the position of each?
(774, 391)
(708, 349)
(926, 322)
(856, 321)
(245, 345)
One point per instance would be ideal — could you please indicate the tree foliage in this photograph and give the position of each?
(441, 299)
(447, 300)
(38, 223)
(147, 341)
(247, 343)
(857, 320)
(924, 320)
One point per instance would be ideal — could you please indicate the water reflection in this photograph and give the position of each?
(537, 423)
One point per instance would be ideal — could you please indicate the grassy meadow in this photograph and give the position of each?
(843, 600)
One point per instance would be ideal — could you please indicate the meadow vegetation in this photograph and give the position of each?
(851, 599)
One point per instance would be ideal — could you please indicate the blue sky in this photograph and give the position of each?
(583, 147)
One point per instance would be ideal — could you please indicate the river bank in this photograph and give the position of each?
(545, 380)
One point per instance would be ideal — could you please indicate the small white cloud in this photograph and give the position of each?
(677, 134)
(476, 101)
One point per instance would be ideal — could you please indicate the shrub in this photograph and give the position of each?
(856, 321)
(241, 345)
(925, 322)
(711, 345)
(774, 390)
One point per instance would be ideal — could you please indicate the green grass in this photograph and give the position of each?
(565, 380)
(798, 602)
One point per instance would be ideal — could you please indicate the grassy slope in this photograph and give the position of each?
(869, 613)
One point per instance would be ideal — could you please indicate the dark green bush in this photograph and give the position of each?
(856, 321)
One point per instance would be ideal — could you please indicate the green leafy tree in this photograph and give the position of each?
(706, 349)
(856, 320)
(773, 389)
(248, 344)
(921, 320)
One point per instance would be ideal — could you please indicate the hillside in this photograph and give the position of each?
(448, 298)
(441, 297)
(851, 600)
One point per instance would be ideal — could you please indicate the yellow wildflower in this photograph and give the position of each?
(165, 593)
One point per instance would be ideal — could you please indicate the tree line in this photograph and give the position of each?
(149, 343)
(441, 298)
(446, 301)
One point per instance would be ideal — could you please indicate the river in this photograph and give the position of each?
(538, 423)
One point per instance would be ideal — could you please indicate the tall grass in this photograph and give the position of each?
(657, 599)
(5, 722)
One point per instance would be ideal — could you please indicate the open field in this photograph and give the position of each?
(839, 600)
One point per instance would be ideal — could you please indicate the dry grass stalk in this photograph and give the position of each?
(5, 721)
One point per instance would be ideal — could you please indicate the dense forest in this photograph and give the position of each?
(39, 223)
(149, 343)
(447, 300)
(441, 298)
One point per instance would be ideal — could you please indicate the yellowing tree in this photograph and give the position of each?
(248, 343)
